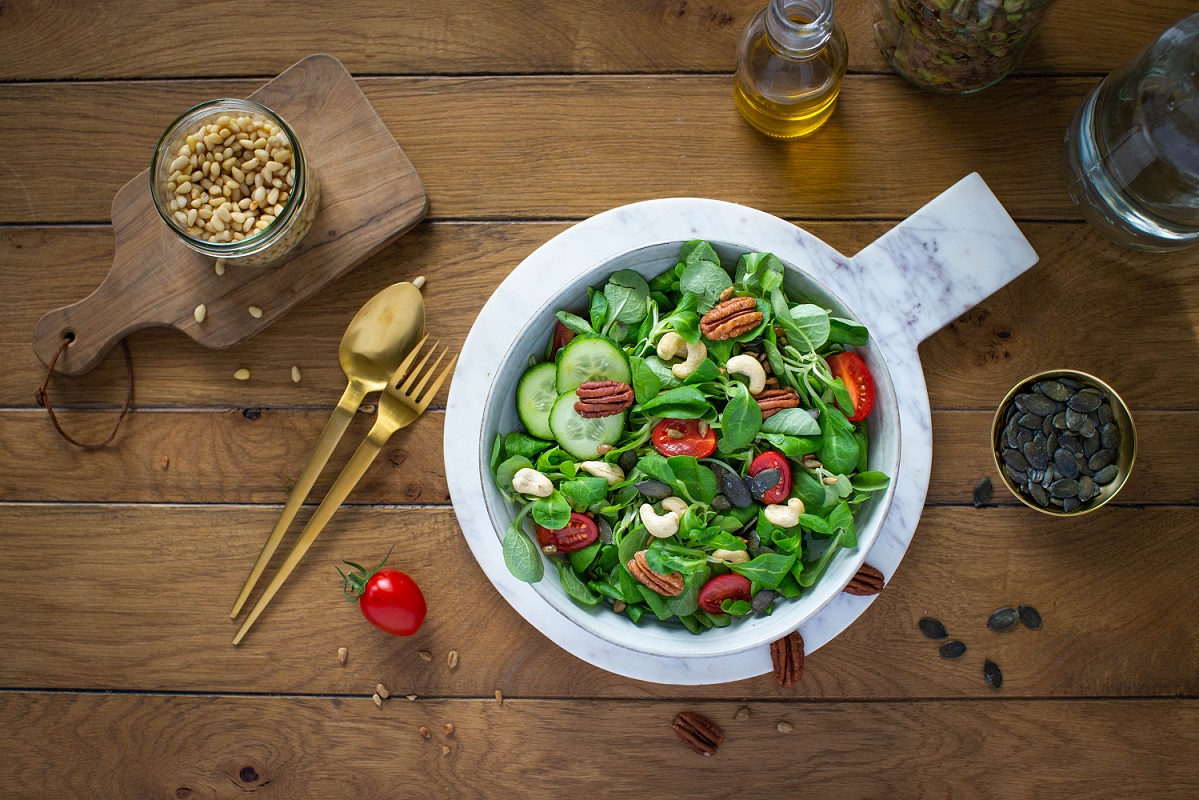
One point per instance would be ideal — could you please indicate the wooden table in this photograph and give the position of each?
(117, 567)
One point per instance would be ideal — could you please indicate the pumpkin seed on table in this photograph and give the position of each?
(992, 675)
(932, 628)
(983, 491)
(953, 649)
(1003, 618)
(1030, 617)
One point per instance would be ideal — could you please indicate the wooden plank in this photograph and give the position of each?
(1142, 345)
(252, 456)
(137, 597)
(514, 36)
(223, 747)
(600, 142)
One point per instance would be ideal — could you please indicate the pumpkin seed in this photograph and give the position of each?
(932, 628)
(762, 602)
(655, 490)
(1066, 487)
(1015, 476)
(1109, 436)
(603, 529)
(1023, 437)
(1030, 421)
(1003, 618)
(627, 461)
(1051, 442)
(1087, 429)
(1070, 504)
(1014, 460)
(1065, 463)
(1039, 494)
(1036, 475)
(954, 649)
(1106, 475)
(1050, 476)
(764, 481)
(1034, 453)
(1105, 414)
(1070, 383)
(1087, 488)
(1091, 445)
(1010, 433)
(1057, 501)
(1054, 390)
(753, 542)
(992, 675)
(1074, 419)
(1037, 404)
(721, 503)
(735, 489)
(1072, 444)
(1047, 426)
(1085, 400)
(1101, 459)
(1030, 617)
(1059, 421)
(983, 490)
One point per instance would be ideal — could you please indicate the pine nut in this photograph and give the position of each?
(295, 374)
(179, 163)
(184, 188)
(418, 281)
(255, 312)
(220, 266)
(242, 374)
(201, 312)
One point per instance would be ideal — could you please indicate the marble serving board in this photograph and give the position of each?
(918, 277)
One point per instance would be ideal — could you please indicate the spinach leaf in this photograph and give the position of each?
(740, 420)
(838, 448)
(863, 439)
(574, 586)
(737, 608)
(666, 557)
(556, 460)
(497, 452)
(719, 539)
(521, 555)
(699, 481)
(584, 491)
(788, 543)
(656, 602)
(690, 523)
(552, 512)
(751, 269)
(841, 518)
(811, 522)
(508, 469)
(687, 602)
(666, 378)
(580, 560)
(685, 402)
(720, 350)
(606, 589)
(628, 586)
(767, 569)
(782, 313)
(792, 422)
(598, 309)
(812, 324)
(808, 572)
(645, 381)
(792, 446)
(627, 294)
(657, 467)
(706, 280)
(576, 323)
(807, 487)
(718, 620)
(684, 320)
(518, 444)
(771, 280)
(870, 481)
(846, 331)
(841, 394)
(789, 588)
(775, 358)
(697, 250)
(705, 372)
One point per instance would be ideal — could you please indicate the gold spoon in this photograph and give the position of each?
(376, 341)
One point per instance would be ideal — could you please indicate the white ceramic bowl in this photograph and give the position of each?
(499, 416)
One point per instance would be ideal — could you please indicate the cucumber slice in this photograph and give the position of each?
(535, 396)
(579, 436)
(589, 358)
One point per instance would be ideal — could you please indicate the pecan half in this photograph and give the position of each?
(667, 585)
(731, 318)
(772, 401)
(868, 581)
(603, 398)
(698, 732)
(787, 655)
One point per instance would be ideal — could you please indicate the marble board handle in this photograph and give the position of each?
(938, 263)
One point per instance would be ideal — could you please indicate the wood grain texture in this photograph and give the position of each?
(134, 746)
(436, 36)
(252, 456)
(141, 595)
(1127, 331)
(364, 189)
(600, 142)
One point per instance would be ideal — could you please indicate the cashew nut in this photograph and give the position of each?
(531, 482)
(785, 516)
(676, 504)
(602, 469)
(731, 556)
(671, 345)
(751, 368)
(659, 526)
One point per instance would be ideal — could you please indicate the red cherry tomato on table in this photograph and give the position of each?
(389, 599)
(562, 337)
(851, 369)
(690, 443)
(721, 588)
(773, 459)
(578, 533)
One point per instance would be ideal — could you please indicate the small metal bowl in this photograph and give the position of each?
(1124, 460)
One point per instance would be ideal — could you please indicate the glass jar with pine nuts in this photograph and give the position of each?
(230, 178)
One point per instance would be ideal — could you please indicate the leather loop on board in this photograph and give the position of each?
(42, 396)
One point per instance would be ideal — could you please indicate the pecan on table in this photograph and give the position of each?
(603, 399)
(787, 655)
(698, 732)
(868, 581)
(772, 401)
(730, 319)
(667, 585)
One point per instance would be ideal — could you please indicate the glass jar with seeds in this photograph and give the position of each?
(1063, 442)
(231, 179)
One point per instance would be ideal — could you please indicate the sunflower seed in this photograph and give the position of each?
(953, 649)
(1003, 618)
(1034, 453)
(1066, 487)
(1054, 390)
(992, 675)
(1030, 617)
(656, 490)
(1085, 400)
(932, 628)
(983, 491)
(1106, 475)
(1101, 459)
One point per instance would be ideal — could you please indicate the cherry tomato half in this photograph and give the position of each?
(577, 534)
(562, 337)
(391, 601)
(721, 588)
(851, 369)
(690, 443)
(773, 459)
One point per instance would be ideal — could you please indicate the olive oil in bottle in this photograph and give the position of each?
(790, 63)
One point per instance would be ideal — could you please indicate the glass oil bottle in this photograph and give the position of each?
(790, 63)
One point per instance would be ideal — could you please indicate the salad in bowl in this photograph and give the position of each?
(693, 447)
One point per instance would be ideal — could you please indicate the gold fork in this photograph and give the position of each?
(399, 405)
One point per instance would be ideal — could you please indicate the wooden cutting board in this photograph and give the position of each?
(370, 195)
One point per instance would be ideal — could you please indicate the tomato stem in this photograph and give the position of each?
(354, 583)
